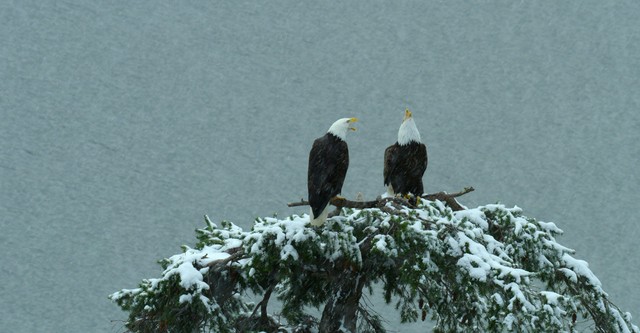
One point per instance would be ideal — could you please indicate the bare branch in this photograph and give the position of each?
(450, 198)
(302, 202)
(454, 195)
(378, 203)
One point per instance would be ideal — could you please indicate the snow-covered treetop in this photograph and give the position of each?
(484, 269)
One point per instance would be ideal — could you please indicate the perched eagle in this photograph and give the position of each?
(328, 163)
(406, 160)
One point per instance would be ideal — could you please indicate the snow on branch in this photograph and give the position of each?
(488, 269)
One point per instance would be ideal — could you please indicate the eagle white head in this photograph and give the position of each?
(408, 131)
(341, 127)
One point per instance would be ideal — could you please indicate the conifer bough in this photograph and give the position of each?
(488, 269)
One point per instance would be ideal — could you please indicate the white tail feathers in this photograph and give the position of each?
(318, 221)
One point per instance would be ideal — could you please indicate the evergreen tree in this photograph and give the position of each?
(485, 269)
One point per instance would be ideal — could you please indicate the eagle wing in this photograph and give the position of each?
(404, 173)
(328, 163)
(390, 162)
(421, 160)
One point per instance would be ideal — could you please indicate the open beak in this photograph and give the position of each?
(352, 120)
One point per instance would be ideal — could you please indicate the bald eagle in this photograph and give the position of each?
(328, 163)
(405, 161)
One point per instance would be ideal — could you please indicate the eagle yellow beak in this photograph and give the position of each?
(407, 114)
(352, 120)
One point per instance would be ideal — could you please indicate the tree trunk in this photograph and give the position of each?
(341, 311)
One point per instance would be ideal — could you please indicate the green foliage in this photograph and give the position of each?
(484, 269)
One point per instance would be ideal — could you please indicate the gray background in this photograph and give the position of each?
(122, 123)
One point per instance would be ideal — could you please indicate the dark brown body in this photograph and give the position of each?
(328, 164)
(404, 167)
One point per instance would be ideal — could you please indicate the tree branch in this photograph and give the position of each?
(234, 254)
(381, 202)
(341, 202)
(450, 198)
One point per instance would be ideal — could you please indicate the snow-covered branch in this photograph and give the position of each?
(488, 269)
